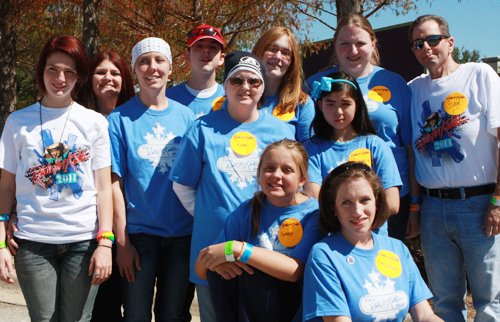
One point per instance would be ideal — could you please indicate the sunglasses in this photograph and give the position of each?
(285, 53)
(349, 165)
(203, 31)
(239, 81)
(432, 40)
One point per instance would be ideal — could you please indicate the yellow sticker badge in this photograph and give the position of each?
(290, 232)
(380, 94)
(388, 264)
(455, 103)
(243, 143)
(361, 155)
(217, 103)
(284, 117)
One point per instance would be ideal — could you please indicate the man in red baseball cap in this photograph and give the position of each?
(205, 52)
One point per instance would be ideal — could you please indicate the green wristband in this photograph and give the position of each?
(2, 244)
(228, 251)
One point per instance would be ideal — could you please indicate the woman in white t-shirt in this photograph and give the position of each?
(55, 157)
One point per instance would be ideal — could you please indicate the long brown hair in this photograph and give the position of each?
(300, 157)
(290, 92)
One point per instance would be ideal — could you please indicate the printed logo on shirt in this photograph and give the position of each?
(284, 117)
(383, 302)
(291, 232)
(388, 264)
(218, 102)
(160, 149)
(439, 130)
(58, 166)
(361, 155)
(242, 161)
(350, 260)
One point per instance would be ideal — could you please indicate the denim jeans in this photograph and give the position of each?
(55, 280)
(164, 261)
(454, 244)
(398, 223)
(207, 310)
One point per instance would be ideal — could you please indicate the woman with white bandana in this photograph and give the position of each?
(215, 169)
(153, 230)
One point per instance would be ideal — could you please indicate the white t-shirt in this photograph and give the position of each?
(454, 125)
(53, 153)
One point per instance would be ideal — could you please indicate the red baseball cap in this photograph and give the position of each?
(202, 32)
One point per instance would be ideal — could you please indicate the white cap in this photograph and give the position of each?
(148, 45)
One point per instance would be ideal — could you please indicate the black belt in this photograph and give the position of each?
(461, 193)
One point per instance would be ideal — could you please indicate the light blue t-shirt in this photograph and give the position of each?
(219, 156)
(199, 105)
(388, 100)
(299, 120)
(142, 154)
(291, 231)
(379, 284)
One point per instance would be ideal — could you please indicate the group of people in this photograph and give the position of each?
(273, 199)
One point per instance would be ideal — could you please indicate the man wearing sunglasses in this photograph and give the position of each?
(456, 125)
(205, 52)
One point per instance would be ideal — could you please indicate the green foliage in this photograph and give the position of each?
(464, 55)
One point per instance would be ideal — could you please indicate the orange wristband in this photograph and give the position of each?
(241, 252)
(415, 207)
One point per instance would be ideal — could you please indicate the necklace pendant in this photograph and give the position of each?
(157, 125)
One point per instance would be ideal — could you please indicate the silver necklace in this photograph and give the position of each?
(65, 122)
(157, 125)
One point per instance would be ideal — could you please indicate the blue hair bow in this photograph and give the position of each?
(326, 85)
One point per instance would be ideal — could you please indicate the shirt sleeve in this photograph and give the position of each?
(314, 170)
(9, 154)
(310, 236)
(306, 116)
(118, 146)
(489, 96)
(101, 144)
(384, 164)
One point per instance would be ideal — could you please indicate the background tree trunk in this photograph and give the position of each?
(345, 7)
(90, 37)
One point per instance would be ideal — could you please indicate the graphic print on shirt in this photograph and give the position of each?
(160, 149)
(383, 302)
(439, 130)
(58, 165)
(242, 159)
(375, 95)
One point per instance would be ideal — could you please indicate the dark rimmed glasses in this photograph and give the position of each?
(239, 81)
(203, 31)
(432, 40)
(285, 53)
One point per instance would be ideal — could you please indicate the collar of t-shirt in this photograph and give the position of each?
(202, 93)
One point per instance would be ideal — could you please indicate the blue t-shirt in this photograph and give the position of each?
(299, 120)
(199, 106)
(143, 156)
(291, 231)
(378, 284)
(219, 156)
(388, 100)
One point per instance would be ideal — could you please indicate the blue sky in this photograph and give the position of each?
(474, 24)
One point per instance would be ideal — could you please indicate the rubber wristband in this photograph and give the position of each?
(416, 199)
(105, 246)
(4, 217)
(2, 245)
(414, 207)
(105, 234)
(246, 254)
(241, 251)
(228, 251)
(495, 200)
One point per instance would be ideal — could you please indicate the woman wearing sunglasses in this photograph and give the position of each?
(279, 51)
(215, 168)
(354, 274)
(387, 98)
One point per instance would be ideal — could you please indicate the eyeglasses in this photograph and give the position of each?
(239, 81)
(432, 40)
(285, 53)
(205, 31)
(348, 165)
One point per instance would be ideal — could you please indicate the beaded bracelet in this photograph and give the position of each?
(246, 254)
(228, 251)
(4, 217)
(105, 234)
(2, 245)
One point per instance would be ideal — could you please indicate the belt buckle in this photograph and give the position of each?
(441, 197)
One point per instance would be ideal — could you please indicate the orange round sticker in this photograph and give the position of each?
(388, 264)
(243, 144)
(284, 117)
(290, 232)
(361, 155)
(217, 103)
(380, 94)
(455, 103)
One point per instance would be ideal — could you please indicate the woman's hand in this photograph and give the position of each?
(230, 270)
(213, 256)
(128, 259)
(6, 266)
(100, 264)
(11, 229)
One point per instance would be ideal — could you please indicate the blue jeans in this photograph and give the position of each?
(164, 262)
(207, 310)
(454, 243)
(398, 223)
(55, 280)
